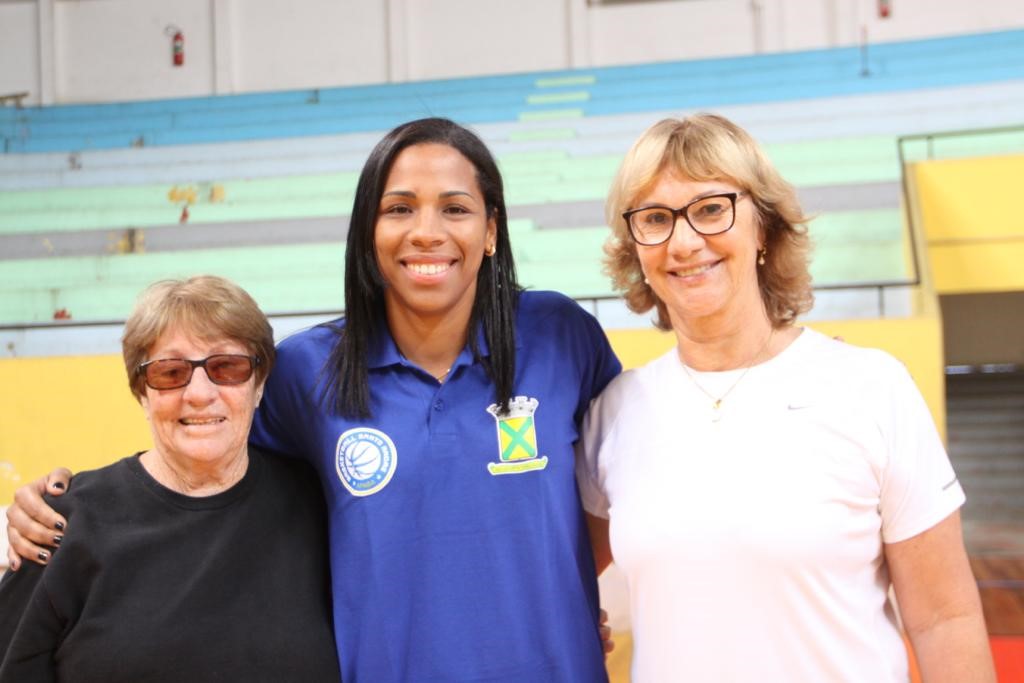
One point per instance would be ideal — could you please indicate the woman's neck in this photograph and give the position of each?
(431, 342)
(714, 345)
(195, 478)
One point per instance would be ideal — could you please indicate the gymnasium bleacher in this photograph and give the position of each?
(99, 200)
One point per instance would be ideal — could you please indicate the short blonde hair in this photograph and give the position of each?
(207, 307)
(710, 147)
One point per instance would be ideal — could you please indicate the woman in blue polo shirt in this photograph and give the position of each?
(441, 414)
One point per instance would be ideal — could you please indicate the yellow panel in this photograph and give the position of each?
(971, 198)
(637, 347)
(978, 267)
(75, 412)
(619, 660)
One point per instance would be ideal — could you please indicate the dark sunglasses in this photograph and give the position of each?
(221, 368)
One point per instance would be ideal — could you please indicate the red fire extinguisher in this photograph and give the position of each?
(177, 45)
(884, 9)
(178, 48)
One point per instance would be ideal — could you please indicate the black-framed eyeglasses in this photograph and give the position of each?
(710, 215)
(221, 368)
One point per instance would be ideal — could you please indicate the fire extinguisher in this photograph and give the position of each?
(884, 9)
(177, 45)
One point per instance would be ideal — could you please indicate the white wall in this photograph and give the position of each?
(664, 31)
(104, 50)
(19, 52)
(451, 38)
(282, 44)
(117, 49)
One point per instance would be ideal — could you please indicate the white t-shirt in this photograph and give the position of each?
(752, 546)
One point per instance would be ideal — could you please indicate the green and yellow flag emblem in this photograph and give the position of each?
(517, 438)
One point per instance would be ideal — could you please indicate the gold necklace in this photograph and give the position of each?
(716, 401)
(439, 378)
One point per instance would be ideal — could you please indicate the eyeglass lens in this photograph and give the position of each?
(708, 216)
(172, 373)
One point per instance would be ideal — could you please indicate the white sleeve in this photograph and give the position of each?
(588, 455)
(919, 487)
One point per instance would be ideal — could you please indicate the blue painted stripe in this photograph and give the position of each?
(686, 85)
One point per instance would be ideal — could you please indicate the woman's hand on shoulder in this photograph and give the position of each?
(607, 644)
(34, 529)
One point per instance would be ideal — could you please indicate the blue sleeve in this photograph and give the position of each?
(601, 363)
(281, 422)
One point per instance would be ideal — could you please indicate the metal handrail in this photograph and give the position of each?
(929, 137)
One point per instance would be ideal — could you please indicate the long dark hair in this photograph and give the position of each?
(347, 388)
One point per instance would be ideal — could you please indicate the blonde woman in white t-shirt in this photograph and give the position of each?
(761, 485)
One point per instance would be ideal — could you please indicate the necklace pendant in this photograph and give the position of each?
(716, 413)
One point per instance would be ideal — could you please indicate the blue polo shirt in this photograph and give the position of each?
(459, 550)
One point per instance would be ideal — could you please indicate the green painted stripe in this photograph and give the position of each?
(565, 81)
(551, 115)
(859, 263)
(558, 98)
(281, 278)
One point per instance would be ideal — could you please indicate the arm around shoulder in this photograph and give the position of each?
(600, 542)
(34, 529)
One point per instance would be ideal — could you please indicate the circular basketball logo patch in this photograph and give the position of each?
(366, 460)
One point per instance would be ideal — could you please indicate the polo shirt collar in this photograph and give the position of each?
(384, 351)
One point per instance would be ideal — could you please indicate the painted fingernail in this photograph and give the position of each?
(57, 539)
(43, 556)
(58, 485)
(59, 526)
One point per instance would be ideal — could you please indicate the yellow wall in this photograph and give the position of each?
(76, 411)
(64, 411)
(973, 226)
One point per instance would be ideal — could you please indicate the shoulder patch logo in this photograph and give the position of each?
(366, 460)
(517, 438)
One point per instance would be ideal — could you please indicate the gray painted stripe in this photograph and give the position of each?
(176, 237)
(854, 197)
(173, 237)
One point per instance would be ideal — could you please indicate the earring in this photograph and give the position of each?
(489, 251)
(646, 281)
(760, 256)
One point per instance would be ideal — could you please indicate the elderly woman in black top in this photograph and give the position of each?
(199, 559)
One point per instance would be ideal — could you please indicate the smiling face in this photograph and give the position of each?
(703, 279)
(431, 234)
(201, 424)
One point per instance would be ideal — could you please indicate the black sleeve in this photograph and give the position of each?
(29, 628)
